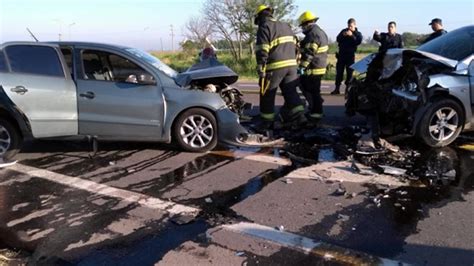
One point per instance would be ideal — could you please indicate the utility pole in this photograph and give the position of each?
(161, 41)
(69, 29)
(172, 37)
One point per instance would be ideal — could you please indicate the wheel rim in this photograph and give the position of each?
(444, 124)
(5, 140)
(197, 131)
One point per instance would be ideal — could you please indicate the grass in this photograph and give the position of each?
(246, 67)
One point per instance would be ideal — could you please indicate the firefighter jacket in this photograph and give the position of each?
(314, 51)
(276, 45)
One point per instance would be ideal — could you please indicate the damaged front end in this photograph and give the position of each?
(395, 86)
(211, 76)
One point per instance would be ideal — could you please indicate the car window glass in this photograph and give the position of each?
(67, 54)
(95, 66)
(124, 70)
(3, 63)
(33, 59)
(456, 45)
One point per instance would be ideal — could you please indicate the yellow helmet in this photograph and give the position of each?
(260, 8)
(306, 16)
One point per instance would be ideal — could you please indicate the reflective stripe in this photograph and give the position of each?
(299, 108)
(322, 49)
(304, 64)
(263, 47)
(281, 64)
(315, 71)
(282, 40)
(316, 115)
(313, 46)
(270, 116)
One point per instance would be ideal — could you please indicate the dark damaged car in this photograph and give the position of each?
(427, 93)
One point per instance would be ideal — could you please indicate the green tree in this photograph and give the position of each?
(233, 20)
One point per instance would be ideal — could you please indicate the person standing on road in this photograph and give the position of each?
(348, 40)
(314, 53)
(437, 27)
(389, 40)
(276, 67)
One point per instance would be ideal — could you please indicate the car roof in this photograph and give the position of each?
(88, 44)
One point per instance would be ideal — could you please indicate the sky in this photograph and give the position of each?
(146, 24)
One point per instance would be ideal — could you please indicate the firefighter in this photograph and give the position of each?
(314, 53)
(276, 67)
(348, 40)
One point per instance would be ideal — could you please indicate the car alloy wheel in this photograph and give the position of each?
(443, 124)
(5, 140)
(197, 131)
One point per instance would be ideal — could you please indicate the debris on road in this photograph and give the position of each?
(288, 181)
(240, 254)
(259, 140)
(340, 191)
(280, 228)
(208, 200)
(393, 170)
(182, 219)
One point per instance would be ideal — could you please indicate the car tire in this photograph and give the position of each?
(10, 140)
(195, 130)
(442, 122)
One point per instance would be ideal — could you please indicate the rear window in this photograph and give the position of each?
(3, 63)
(32, 59)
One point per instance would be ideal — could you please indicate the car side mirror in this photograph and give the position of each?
(146, 79)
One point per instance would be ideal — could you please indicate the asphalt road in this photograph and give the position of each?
(145, 204)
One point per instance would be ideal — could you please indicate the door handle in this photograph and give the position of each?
(19, 89)
(88, 95)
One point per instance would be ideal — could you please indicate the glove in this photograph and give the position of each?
(260, 71)
(300, 71)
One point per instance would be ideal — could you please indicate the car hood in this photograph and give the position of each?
(209, 71)
(394, 57)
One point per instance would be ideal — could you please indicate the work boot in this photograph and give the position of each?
(313, 119)
(263, 126)
(293, 117)
(336, 91)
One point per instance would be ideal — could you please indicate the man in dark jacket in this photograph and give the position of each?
(314, 53)
(277, 67)
(437, 27)
(348, 40)
(389, 40)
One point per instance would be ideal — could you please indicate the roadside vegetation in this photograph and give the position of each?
(246, 66)
(228, 26)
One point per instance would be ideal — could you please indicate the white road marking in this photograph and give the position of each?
(307, 245)
(101, 189)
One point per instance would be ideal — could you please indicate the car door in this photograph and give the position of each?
(40, 85)
(471, 84)
(113, 102)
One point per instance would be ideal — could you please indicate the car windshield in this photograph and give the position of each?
(154, 61)
(457, 45)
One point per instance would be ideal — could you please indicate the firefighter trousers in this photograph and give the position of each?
(311, 88)
(287, 80)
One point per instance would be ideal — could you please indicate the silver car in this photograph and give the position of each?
(427, 92)
(109, 92)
